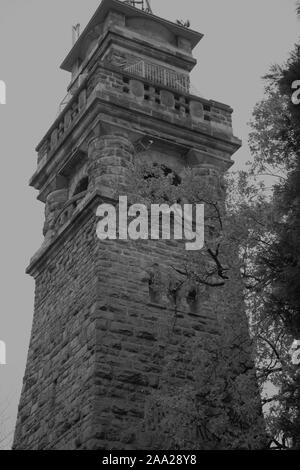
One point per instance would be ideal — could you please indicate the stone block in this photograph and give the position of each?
(137, 89)
(167, 98)
(196, 110)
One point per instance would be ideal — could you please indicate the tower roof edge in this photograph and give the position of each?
(129, 11)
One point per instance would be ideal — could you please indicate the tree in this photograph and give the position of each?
(219, 406)
(275, 145)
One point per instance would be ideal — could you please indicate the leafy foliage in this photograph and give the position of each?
(219, 406)
(275, 143)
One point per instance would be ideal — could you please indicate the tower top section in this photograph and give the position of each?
(131, 67)
(135, 20)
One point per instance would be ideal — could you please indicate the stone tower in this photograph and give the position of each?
(98, 336)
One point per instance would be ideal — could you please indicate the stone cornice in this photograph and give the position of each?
(99, 16)
(179, 58)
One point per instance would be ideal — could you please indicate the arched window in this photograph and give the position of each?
(163, 170)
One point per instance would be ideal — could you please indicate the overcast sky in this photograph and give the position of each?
(242, 39)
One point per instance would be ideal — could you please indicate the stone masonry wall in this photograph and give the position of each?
(57, 396)
(136, 335)
(98, 342)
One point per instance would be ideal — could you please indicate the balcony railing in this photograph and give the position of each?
(160, 75)
(169, 96)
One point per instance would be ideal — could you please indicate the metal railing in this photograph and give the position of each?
(160, 75)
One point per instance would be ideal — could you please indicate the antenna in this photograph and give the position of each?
(75, 33)
(145, 5)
